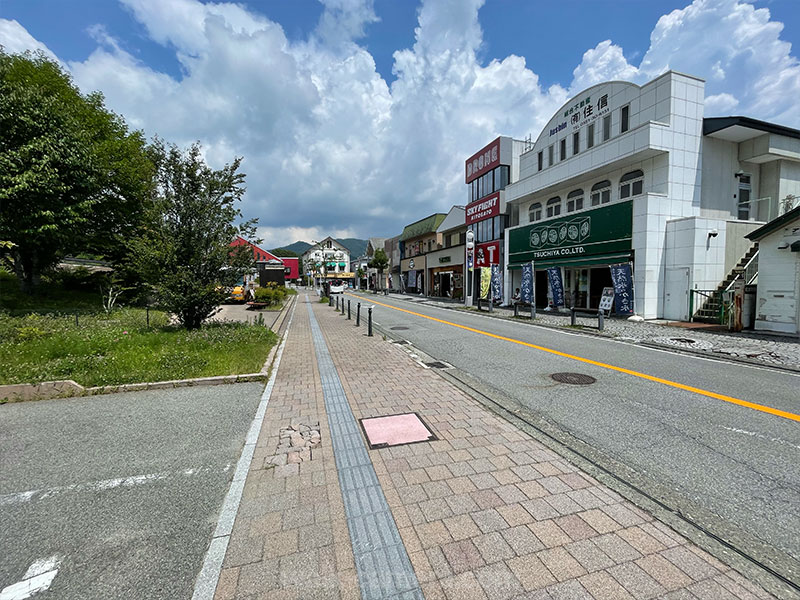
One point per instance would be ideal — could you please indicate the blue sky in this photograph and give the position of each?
(355, 116)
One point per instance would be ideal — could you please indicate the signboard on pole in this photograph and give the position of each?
(607, 299)
(497, 283)
(622, 278)
(526, 287)
(556, 285)
(486, 280)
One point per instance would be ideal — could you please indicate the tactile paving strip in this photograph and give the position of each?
(382, 563)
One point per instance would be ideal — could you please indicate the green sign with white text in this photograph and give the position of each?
(587, 235)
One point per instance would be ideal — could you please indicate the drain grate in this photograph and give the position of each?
(437, 365)
(573, 378)
(396, 430)
(398, 328)
(684, 340)
(401, 342)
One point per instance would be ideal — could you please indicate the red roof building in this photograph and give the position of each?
(291, 263)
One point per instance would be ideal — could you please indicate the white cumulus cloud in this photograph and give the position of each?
(330, 148)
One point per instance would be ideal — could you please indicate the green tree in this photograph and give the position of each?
(379, 262)
(184, 252)
(72, 177)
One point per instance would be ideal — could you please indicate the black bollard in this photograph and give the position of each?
(358, 314)
(348, 309)
(516, 309)
(342, 306)
(337, 303)
(330, 300)
(369, 321)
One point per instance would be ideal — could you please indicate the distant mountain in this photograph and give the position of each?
(298, 247)
(355, 246)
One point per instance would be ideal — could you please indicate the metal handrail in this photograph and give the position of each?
(749, 272)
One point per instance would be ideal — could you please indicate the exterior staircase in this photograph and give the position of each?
(711, 302)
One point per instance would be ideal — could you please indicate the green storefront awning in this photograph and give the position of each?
(342, 264)
(607, 259)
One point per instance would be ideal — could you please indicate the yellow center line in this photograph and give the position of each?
(675, 384)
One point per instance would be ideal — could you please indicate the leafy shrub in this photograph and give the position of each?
(323, 299)
(265, 295)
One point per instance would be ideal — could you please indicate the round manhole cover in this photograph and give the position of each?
(398, 328)
(573, 378)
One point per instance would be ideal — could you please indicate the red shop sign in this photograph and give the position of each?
(482, 162)
(485, 208)
(487, 254)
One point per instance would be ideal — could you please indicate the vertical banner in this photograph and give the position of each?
(497, 283)
(389, 280)
(419, 282)
(486, 280)
(412, 278)
(526, 288)
(622, 279)
(556, 285)
(469, 260)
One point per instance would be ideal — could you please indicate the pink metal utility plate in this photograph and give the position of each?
(396, 430)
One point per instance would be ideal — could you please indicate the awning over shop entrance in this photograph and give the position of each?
(606, 259)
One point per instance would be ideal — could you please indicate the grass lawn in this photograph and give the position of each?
(120, 348)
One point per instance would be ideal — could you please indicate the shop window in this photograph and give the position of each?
(624, 119)
(631, 184)
(575, 200)
(554, 207)
(601, 193)
(535, 212)
(606, 128)
(576, 142)
(590, 136)
(550, 160)
(563, 149)
(541, 159)
(498, 227)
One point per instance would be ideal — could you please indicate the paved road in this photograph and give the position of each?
(733, 469)
(123, 489)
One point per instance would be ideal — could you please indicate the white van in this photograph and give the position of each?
(336, 287)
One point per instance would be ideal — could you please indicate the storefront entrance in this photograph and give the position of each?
(576, 287)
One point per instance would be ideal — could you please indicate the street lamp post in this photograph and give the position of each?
(470, 266)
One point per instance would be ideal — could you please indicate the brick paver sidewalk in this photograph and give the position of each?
(484, 512)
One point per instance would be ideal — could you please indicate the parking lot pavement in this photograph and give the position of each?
(116, 496)
(483, 511)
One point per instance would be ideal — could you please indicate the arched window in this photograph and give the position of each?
(554, 207)
(535, 212)
(631, 184)
(601, 192)
(575, 200)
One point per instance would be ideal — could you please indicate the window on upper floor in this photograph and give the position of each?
(631, 184)
(554, 207)
(576, 142)
(590, 135)
(563, 149)
(601, 192)
(535, 212)
(541, 159)
(606, 128)
(550, 160)
(624, 118)
(575, 200)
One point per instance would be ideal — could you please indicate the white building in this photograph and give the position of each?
(634, 174)
(778, 288)
(327, 259)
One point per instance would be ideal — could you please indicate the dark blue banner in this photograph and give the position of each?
(526, 289)
(556, 285)
(497, 283)
(622, 278)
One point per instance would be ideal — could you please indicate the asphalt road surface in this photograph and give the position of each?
(732, 469)
(120, 492)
